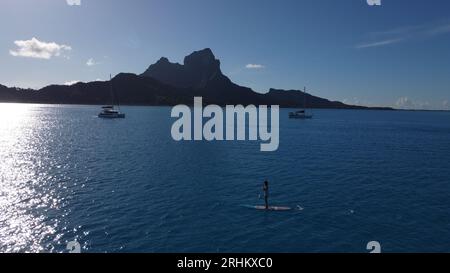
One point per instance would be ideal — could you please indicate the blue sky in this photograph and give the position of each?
(396, 54)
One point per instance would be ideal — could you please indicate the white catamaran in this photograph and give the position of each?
(109, 111)
(301, 114)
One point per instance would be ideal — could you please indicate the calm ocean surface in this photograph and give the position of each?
(126, 186)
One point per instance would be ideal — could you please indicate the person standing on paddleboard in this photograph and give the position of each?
(266, 193)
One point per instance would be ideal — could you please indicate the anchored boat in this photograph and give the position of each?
(110, 111)
(301, 114)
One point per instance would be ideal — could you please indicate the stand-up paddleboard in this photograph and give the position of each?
(271, 208)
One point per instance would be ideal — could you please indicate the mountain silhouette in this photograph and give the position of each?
(198, 69)
(166, 83)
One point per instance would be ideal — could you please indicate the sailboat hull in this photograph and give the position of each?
(110, 116)
(301, 116)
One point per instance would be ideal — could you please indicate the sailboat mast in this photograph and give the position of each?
(304, 97)
(112, 93)
(111, 90)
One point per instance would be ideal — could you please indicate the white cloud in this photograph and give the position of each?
(404, 102)
(409, 104)
(254, 66)
(379, 43)
(440, 30)
(91, 62)
(73, 2)
(359, 102)
(446, 104)
(34, 48)
(71, 82)
(352, 101)
(407, 33)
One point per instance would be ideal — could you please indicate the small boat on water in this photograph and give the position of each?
(301, 114)
(110, 111)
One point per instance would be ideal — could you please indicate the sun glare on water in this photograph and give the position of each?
(25, 192)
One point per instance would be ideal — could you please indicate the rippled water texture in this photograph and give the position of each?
(126, 186)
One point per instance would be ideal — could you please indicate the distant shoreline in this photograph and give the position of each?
(159, 105)
(171, 105)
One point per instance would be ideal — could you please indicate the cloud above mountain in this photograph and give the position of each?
(34, 48)
(71, 83)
